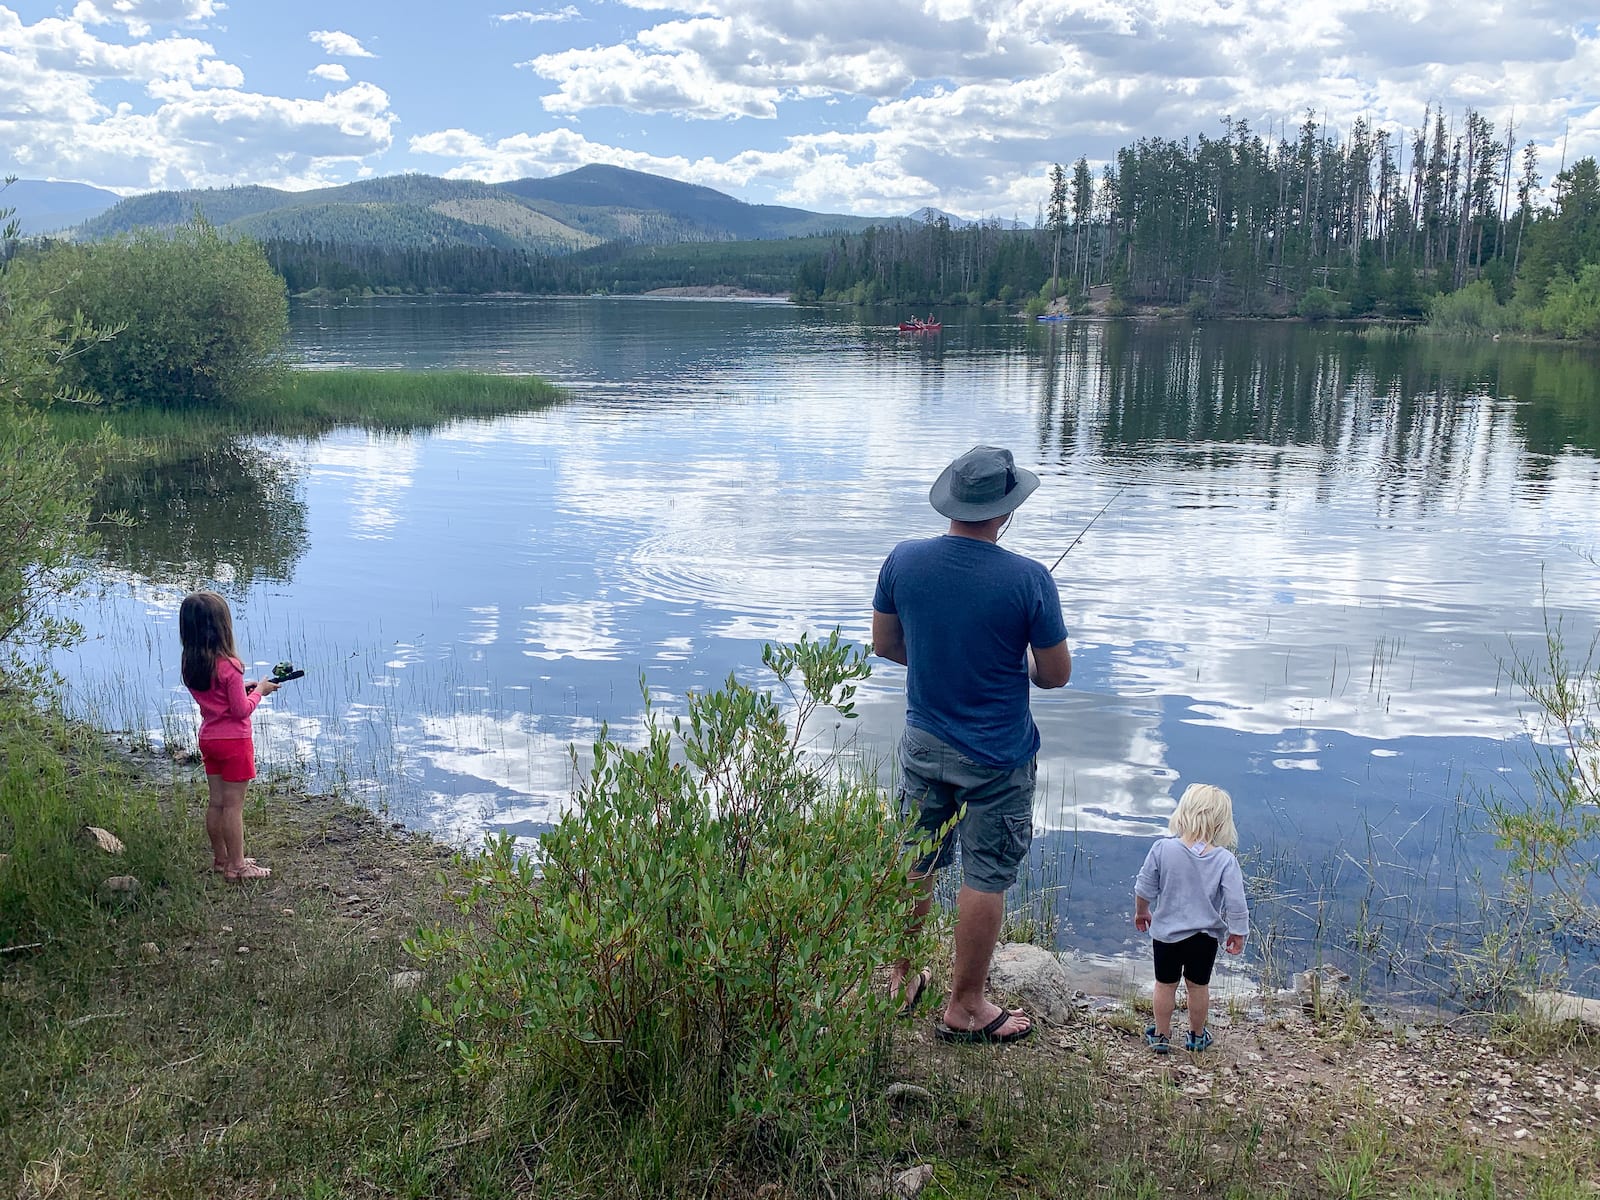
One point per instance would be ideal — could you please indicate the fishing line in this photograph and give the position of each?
(1088, 527)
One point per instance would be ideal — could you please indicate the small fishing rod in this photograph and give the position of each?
(1088, 527)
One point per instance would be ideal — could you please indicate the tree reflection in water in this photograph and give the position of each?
(228, 515)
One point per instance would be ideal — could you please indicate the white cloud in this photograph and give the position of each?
(549, 153)
(971, 100)
(569, 13)
(341, 45)
(198, 125)
(621, 77)
(333, 72)
(139, 15)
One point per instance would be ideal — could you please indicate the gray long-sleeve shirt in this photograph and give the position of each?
(1192, 893)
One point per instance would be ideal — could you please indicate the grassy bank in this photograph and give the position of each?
(306, 403)
(212, 1040)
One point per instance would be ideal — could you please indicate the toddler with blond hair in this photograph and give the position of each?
(1189, 896)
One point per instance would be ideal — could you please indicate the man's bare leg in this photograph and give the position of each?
(978, 918)
(899, 969)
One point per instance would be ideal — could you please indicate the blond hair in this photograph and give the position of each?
(1205, 813)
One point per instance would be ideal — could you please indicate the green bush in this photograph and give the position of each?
(1317, 304)
(701, 932)
(44, 490)
(1473, 309)
(1571, 307)
(204, 318)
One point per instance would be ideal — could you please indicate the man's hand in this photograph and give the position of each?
(1234, 944)
(1141, 922)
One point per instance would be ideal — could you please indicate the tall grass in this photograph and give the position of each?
(307, 403)
(56, 778)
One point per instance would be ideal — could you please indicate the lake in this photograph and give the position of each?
(1321, 548)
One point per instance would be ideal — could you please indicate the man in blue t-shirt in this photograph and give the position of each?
(972, 624)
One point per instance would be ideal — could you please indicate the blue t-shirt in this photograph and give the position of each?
(969, 610)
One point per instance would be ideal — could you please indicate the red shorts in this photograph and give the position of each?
(232, 758)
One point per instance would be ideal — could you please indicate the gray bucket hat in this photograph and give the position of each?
(984, 482)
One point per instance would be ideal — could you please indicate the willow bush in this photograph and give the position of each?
(703, 927)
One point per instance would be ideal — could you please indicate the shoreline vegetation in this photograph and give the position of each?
(304, 403)
(187, 1037)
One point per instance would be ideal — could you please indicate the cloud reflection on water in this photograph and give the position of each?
(1323, 545)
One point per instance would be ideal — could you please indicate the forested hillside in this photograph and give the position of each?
(574, 211)
(1315, 223)
(615, 267)
(715, 214)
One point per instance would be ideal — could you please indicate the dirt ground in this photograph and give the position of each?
(1425, 1086)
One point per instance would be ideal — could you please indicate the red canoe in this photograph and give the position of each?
(921, 326)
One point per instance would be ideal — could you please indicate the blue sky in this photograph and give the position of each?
(831, 105)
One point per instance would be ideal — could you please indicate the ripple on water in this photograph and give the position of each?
(755, 567)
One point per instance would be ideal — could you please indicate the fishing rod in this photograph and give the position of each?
(1088, 527)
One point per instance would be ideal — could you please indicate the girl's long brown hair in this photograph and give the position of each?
(205, 627)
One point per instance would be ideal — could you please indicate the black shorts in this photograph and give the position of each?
(1191, 958)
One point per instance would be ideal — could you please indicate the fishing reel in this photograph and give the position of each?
(282, 673)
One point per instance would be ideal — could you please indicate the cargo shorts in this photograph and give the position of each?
(996, 829)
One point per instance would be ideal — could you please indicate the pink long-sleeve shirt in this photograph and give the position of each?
(225, 707)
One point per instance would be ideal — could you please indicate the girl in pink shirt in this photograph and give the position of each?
(214, 675)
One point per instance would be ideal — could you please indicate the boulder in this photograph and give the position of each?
(1563, 1008)
(1035, 977)
(405, 981)
(119, 887)
(909, 1184)
(1323, 986)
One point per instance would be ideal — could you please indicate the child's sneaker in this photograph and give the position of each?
(1196, 1043)
(1159, 1042)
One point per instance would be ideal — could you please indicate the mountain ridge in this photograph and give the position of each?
(47, 205)
(575, 210)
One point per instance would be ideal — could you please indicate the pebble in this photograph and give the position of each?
(244, 950)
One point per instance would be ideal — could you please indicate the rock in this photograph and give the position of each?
(149, 951)
(106, 840)
(1035, 977)
(1564, 1008)
(119, 887)
(1322, 987)
(406, 981)
(909, 1184)
(907, 1093)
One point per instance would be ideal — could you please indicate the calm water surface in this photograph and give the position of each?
(1320, 549)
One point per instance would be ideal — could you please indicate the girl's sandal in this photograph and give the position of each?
(247, 873)
(221, 868)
